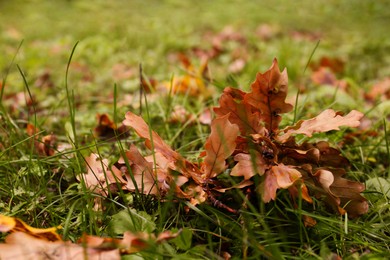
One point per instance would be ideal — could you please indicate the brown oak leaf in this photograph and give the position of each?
(269, 92)
(241, 113)
(21, 246)
(155, 143)
(341, 194)
(326, 121)
(249, 165)
(279, 176)
(219, 146)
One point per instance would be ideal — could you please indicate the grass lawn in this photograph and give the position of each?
(64, 64)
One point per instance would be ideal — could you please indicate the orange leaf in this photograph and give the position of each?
(219, 146)
(241, 113)
(326, 121)
(10, 224)
(279, 176)
(153, 140)
(269, 92)
(249, 165)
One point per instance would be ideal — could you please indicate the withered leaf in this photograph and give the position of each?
(153, 140)
(130, 243)
(241, 113)
(249, 165)
(193, 83)
(279, 176)
(10, 224)
(142, 176)
(106, 128)
(341, 194)
(269, 92)
(100, 176)
(219, 146)
(326, 121)
(21, 246)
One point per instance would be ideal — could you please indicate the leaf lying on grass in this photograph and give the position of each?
(326, 121)
(246, 133)
(26, 242)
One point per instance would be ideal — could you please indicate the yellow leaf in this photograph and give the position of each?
(9, 224)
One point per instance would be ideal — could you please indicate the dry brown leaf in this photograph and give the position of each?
(141, 177)
(341, 194)
(249, 165)
(379, 91)
(46, 146)
(106, 128)
(21, 246)
(335, 64)
(154, 142)
(99, 176)
(241, 113)
(326, 121)
(129, 244)
(324, 76)
(308, 221)
(279, 176)
(243, 184)
(219, 146)
(269, 92)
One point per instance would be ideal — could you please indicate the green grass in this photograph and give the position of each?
(38, 37)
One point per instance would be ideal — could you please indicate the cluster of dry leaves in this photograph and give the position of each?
(246, 132)
(25, 242)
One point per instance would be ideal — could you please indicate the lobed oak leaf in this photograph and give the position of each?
(249, 165)
(341, 194)
(153, 140)
(241, 113)
(349, 193)
(298, 156)
(219, 146)
(279, 176)
(326, 121)
(269, 92)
